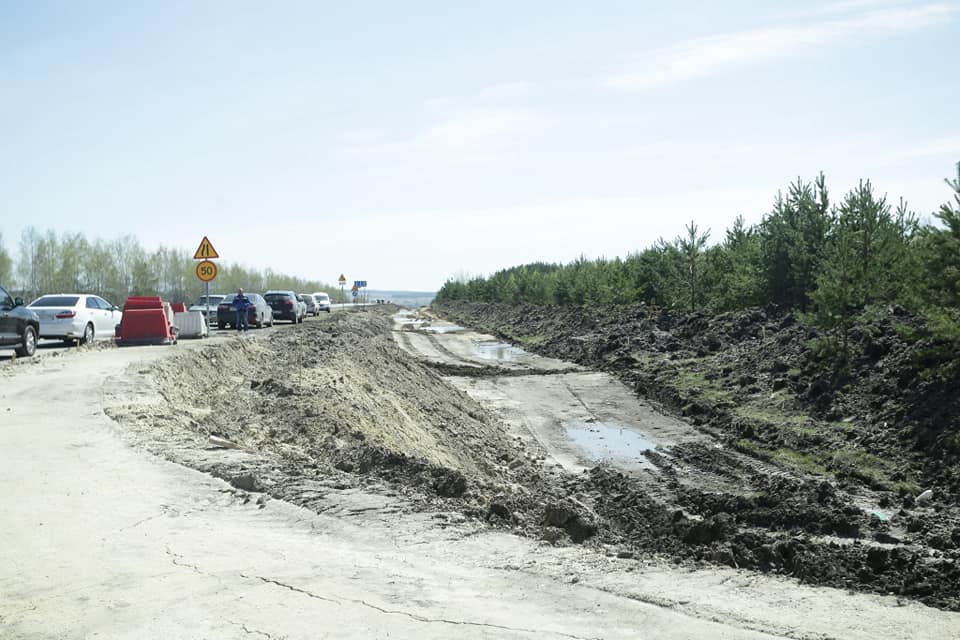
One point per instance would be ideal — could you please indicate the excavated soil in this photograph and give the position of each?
(813, 475)
(296, 412)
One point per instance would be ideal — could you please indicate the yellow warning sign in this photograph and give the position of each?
(205, 251)
(343, 279)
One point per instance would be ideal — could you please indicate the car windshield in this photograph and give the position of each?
(202, 300)
(276, 296)
(228, 299)
(55, 301)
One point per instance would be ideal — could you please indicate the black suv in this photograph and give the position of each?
(19, 326)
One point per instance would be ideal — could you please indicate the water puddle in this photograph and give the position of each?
(500, 351)
(446, 328)
(610, 442)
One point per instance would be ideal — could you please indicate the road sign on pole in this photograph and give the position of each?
(206, 271)
(205, 251)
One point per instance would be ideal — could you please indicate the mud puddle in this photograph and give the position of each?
(611, 443)
(499, 351)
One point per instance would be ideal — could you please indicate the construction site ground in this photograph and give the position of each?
(384, 473)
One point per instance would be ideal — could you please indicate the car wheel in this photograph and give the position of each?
(88, 335)
(28, 344)
(221, 325)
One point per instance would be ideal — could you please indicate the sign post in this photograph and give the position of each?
(342, 281)
(206, 270)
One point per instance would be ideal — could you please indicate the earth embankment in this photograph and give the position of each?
(831, 469)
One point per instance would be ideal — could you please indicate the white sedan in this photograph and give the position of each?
(76, 317)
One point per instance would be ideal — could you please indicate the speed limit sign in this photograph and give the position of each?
(206, 271)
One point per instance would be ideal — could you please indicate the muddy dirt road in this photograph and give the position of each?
(319, 481)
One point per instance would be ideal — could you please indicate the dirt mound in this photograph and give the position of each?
(826, 492)
(332, 397)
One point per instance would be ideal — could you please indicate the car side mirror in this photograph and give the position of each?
(18, 302)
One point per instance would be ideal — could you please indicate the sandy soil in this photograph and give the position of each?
(347, 490)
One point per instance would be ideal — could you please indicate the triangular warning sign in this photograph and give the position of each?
(205, 251)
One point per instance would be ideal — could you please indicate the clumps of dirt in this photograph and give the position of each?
(334, 397)
(777, 531)
(838, 455)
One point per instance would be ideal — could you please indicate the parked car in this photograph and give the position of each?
(323, 302)
(308, 300)
(286, 306)
(258, 314)
(201, 305)
(76, 317)
(19, 326)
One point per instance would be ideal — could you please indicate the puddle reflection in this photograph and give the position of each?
(610, 442)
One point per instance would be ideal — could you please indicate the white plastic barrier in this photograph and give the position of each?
(191, 324)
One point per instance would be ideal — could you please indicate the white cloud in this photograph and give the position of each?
(480, 131)
(695, 58)
(476, 135)
(490, 96)
(949, 146)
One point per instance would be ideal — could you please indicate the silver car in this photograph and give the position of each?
(308, 300)
(76, 317)
(201, 305)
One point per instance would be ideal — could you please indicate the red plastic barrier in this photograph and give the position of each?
(179, 307)
(143, 302)
(146, 320)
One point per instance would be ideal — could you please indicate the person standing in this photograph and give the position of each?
(241, 303)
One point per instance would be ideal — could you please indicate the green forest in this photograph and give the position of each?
(830, 260)
(114, 269)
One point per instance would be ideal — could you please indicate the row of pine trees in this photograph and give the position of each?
(808, 254)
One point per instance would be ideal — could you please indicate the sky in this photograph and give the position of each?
(405, 143)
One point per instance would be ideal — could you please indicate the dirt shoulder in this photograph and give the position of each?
(827, 477)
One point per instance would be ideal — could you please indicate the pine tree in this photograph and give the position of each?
(691, 249)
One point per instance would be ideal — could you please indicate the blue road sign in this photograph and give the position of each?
(354, 292)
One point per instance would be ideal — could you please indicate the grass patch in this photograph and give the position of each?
(839, 462)
(687, 380)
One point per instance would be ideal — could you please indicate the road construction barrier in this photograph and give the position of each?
(146, 320)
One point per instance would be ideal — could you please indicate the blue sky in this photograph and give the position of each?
(403, 143)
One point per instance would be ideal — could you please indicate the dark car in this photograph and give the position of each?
(19, 326)
(286, 306)
(258, 313)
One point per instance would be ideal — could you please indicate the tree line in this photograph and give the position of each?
(48, 262)
(829, 260)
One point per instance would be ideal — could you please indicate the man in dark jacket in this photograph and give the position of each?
(241, 303)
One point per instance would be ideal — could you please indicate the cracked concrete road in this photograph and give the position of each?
(98, 539)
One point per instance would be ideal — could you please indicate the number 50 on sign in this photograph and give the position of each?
(206, 271)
